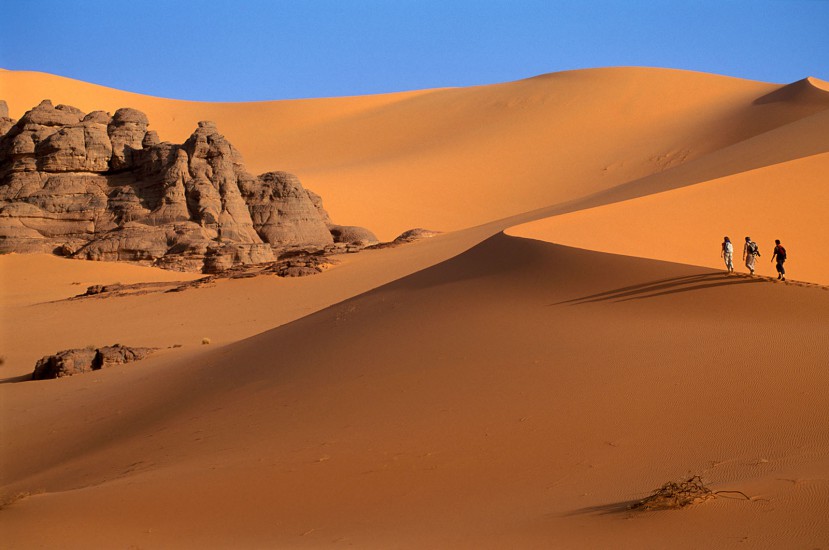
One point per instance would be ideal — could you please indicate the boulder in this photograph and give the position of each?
(413, 235)
(19, 143)
(98, 117)
(83, 147)
(47, 115)
(133, 242)
(150, 139)
(110, 356)
(76, 361)
(353, 235)
(126, 131)
(65, 363)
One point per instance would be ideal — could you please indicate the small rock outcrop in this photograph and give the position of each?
(353, 236)
(76, 361)
(416, 234)
(100, 187)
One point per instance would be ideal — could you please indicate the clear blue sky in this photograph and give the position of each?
(247, 50)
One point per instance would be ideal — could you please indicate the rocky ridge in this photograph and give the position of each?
(103, 187)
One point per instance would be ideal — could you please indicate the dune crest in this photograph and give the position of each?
(785, 201)
(808, 91)
(818, 83)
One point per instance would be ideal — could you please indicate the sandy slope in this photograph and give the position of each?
(38, 320)
(397, 161)
(559, 386)
(26, 279)
(472, 390)
(786, 201)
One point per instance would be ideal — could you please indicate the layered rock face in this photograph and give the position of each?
(101, 187)
(282, 211)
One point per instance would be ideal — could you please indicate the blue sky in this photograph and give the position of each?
(246, 50)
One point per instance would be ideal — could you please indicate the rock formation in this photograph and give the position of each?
(353, 235)
(5, 121)
(101, 187)
(283, 212)
(76, 361)
(416, 234)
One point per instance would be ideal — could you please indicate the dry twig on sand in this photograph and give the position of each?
(678, 495)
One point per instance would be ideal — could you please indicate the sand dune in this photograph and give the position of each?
(41, 321)
(473, 390)
(397, 161)
(540, 400)
(786, 201)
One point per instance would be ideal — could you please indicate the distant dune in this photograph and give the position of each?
(395, 161)
(568, 344)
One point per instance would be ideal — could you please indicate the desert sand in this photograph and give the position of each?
(568, 344)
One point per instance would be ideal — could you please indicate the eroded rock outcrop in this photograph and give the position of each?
(352, 235)
(283, 212)
(5, 121)
(77, 361)
(101, 187)
(416, 234)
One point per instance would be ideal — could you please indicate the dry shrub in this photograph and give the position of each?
(674, 495)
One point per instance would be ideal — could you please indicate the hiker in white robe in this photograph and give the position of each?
(728, 254)
(750, 253)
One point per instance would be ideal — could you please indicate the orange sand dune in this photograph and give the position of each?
(38, 319)
(558, 387)
(396, 161)
(786, 201)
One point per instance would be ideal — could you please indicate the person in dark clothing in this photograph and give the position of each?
(780, 256)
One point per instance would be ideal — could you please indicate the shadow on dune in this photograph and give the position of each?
(604, 509)
(663, 287)
(804, 91)
(14, 379)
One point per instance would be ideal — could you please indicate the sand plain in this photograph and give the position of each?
(490, 387)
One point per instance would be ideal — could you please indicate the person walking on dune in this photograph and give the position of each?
(727, 254)
(750, 254)
(780, 256)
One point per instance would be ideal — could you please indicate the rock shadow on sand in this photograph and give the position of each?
(663, 287)
(613, 508)
(16, 379)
